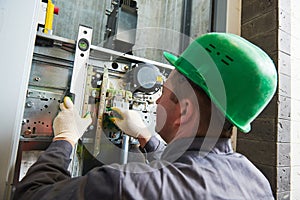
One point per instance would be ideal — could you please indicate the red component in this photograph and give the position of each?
(56, 10)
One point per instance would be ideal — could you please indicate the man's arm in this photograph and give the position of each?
(49, 178)
(51, 167)
(153, 149)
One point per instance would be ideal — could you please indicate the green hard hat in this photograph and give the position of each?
(239, 77)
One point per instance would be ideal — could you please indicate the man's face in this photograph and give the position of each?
(167, 112)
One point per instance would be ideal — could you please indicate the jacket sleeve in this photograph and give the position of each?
(153, 149)
(48, 178)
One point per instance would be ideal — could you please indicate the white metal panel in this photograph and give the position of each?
(18, 22)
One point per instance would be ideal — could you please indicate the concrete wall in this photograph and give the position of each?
(274, 142)
(259, 25)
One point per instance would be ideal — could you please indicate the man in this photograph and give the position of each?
(220, 81)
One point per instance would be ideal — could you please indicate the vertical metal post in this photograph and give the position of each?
(219, 17)
(125, 147)
(185, 24)
(101, 110)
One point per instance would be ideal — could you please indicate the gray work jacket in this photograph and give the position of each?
(197, 168)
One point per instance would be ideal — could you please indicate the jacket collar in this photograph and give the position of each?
(200, 145)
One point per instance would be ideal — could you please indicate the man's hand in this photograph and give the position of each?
(131, 123)
(68, 124)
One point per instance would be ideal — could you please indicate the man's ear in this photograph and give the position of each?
(186, 111)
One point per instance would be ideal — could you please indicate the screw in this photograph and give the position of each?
(27, 132)
(126, 67)
(91, 127)
(29, 104)
(94, 92)
(37, 78)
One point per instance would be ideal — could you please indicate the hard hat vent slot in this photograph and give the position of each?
(226, 63)
(227, 58)
(207, 49)
(212, 46)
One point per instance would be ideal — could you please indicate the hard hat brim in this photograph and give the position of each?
(170, 58)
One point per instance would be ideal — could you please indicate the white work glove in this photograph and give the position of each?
(130, 122)
(68, 124)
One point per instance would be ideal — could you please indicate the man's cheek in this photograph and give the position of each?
(161, 117)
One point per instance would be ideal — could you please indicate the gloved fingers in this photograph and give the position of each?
(83, 122)
(68, 102)
(62, 106)
(83, 125)
(116, 114)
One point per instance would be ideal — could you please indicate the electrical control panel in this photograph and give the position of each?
(96, 79)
